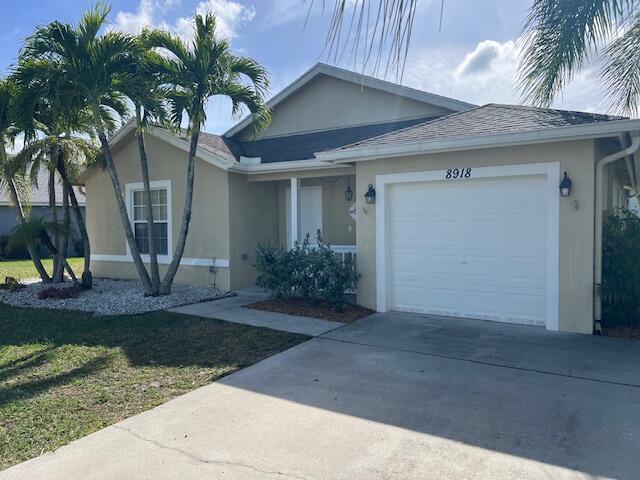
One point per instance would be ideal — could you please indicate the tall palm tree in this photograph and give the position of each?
(65, 154)
(59, 137)
(194, 73)
(11, 177)
(90, 67)
(144, 89)
(561, 36)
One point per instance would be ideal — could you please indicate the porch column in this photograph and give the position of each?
(295, 211)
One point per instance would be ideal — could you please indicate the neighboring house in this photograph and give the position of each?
(39, 207)
(467, 220)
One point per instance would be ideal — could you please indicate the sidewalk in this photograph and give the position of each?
(231, 310)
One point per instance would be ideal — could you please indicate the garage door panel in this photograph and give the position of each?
(480, 269)
(527, 272)
(475, 249)
(408, 298)
(526, 308)
(487, 233)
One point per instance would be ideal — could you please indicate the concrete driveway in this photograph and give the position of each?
(391, 397)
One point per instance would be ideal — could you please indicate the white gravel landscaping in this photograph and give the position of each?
(111, 297)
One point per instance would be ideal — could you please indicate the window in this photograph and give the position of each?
(159, 205)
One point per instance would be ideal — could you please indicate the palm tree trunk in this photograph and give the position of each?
(122, 208)
(46, 240)
(186, 215)
(53, 208)
(66, 231)
(31, 247)
(144, 167)
(87, 277)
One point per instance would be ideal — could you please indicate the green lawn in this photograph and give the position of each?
(24, 269)
(64, 374)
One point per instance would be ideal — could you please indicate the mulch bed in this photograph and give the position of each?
(296, 306)
(622, 332)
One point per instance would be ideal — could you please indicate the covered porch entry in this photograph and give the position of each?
(313, 203)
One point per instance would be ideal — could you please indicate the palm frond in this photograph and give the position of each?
(621, 73)
(560, 36)
(378, 32)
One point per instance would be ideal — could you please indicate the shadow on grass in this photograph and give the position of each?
(32, 388)
(19, 365)
(157, 338)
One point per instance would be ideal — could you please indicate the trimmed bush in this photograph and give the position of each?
(620, 289)
(12, 285)
(59, 293)
(311, 272)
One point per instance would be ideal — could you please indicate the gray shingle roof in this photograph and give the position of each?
(302, 146)
(40, 194)
(488, 119)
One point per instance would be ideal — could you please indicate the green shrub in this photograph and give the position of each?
(620, 289)
(311, 272)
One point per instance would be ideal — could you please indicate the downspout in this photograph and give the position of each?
(630, 150)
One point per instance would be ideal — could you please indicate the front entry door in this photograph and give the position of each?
(310, 213)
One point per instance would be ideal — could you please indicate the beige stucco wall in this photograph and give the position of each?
(327, 102)
(253, 220)
(209, 229)
(576, 226)
(338, 228)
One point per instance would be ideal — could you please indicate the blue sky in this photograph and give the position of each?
(473, 58)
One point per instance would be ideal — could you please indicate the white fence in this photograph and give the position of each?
(342, 251)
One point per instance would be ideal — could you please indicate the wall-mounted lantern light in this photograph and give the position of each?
(348, 193)
(370, 196)
(565, 186)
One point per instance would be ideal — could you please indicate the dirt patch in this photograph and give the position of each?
(296, 306)
(632, 333)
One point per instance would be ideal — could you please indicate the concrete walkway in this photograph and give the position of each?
(231, 309)
(389, 397)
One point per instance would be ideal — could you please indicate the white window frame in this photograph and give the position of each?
(133, 187)
(552, 172)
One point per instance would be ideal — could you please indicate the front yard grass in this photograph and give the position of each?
(24, 269)
(66, 374)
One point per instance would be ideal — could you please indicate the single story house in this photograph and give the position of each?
(38, 203)
(451, 209)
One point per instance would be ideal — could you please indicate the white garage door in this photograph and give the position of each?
(472, 248)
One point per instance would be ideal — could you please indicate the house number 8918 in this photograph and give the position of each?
(458, 173)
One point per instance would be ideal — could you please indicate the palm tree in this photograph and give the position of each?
(59, 137)
(65, 154)
(195, 72)
(11, 177)
(562, 35)
(144, 89)
(89, 67)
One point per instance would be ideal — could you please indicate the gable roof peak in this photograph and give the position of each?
(360, 79)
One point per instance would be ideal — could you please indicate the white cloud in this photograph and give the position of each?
(231, 15)
(150, 13)
(130, 22)
(488, 74)
(488, 56)
(285, 11)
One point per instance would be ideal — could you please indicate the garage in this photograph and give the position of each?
(480, 246)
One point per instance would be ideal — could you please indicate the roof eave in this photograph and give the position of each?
(285, 166)
(554, 134)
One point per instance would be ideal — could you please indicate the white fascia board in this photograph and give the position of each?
(182, 145)
(293, 166)
(237, 167)
(174, 140)
(358, 78)
(122, 133)
(556, 134)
